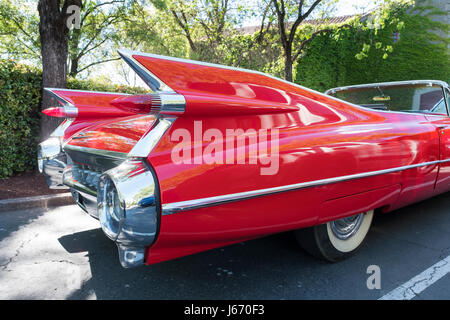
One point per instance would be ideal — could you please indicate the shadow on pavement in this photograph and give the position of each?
(12, 221)
(239, 271)
(269, 268)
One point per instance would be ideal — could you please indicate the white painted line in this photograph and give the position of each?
(416, 285)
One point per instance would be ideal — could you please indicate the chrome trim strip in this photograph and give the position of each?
(167, 103)
(337, 89)
(79, 187)
(87, 91)
(385, 84)
(171, 208)
(61, 129)
(151, 138)
(100, 152)
(172, 103)
(71, 112)
(72, 183)
(69, 109)
(148, 77)
(64, 102)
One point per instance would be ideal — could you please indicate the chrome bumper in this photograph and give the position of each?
(52, 162)
(128, 209)
(125, 200)
(132, 224)
(95, 180)
(84, 194)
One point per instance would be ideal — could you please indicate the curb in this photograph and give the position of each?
(53, 200)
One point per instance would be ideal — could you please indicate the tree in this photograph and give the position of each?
(53, 31)
(19, 35)
(207, 25)
(90, 42)
(421, 52)
(70, 51)
(147, 27)
(93, 40)
(290, 15)
(300, 21)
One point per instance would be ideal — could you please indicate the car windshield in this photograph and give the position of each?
(418, 98)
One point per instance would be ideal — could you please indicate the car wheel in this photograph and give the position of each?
(336, 240)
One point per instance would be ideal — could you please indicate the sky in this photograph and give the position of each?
(346, 7)
(343, 7)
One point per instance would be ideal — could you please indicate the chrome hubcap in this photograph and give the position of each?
(347, 227)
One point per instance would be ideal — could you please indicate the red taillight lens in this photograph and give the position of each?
(140, 103)
(62, 112)
(55, 112)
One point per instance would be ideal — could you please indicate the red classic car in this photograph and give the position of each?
(216, 155)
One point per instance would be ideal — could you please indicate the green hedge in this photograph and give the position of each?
(20, 94)
(20, 88)
(95, 85)
(331, 59)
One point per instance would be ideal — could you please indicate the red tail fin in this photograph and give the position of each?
(214, 89)
(86, 104)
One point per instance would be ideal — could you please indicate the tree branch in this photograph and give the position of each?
(185, 29)
(314, 35)
(281, 22)
(313, 6)
(97, 62)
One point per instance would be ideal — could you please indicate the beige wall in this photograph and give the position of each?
(443, 5)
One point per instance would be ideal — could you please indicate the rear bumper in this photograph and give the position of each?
(132, 180)
(52, 162)
(119, 189)
(129, 209)
(84, 194)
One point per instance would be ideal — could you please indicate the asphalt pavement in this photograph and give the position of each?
(61, 253)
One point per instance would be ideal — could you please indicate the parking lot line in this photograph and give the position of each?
(419, 283)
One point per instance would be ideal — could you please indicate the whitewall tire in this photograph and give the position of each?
(336, 240)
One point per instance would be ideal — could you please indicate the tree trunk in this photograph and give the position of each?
(74, 56)
(73, 67)
(288, 66)
(53, 33)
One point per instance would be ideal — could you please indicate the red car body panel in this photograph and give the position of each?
(443, 126)
(118, 135)
(311, 153)
(319, 138)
